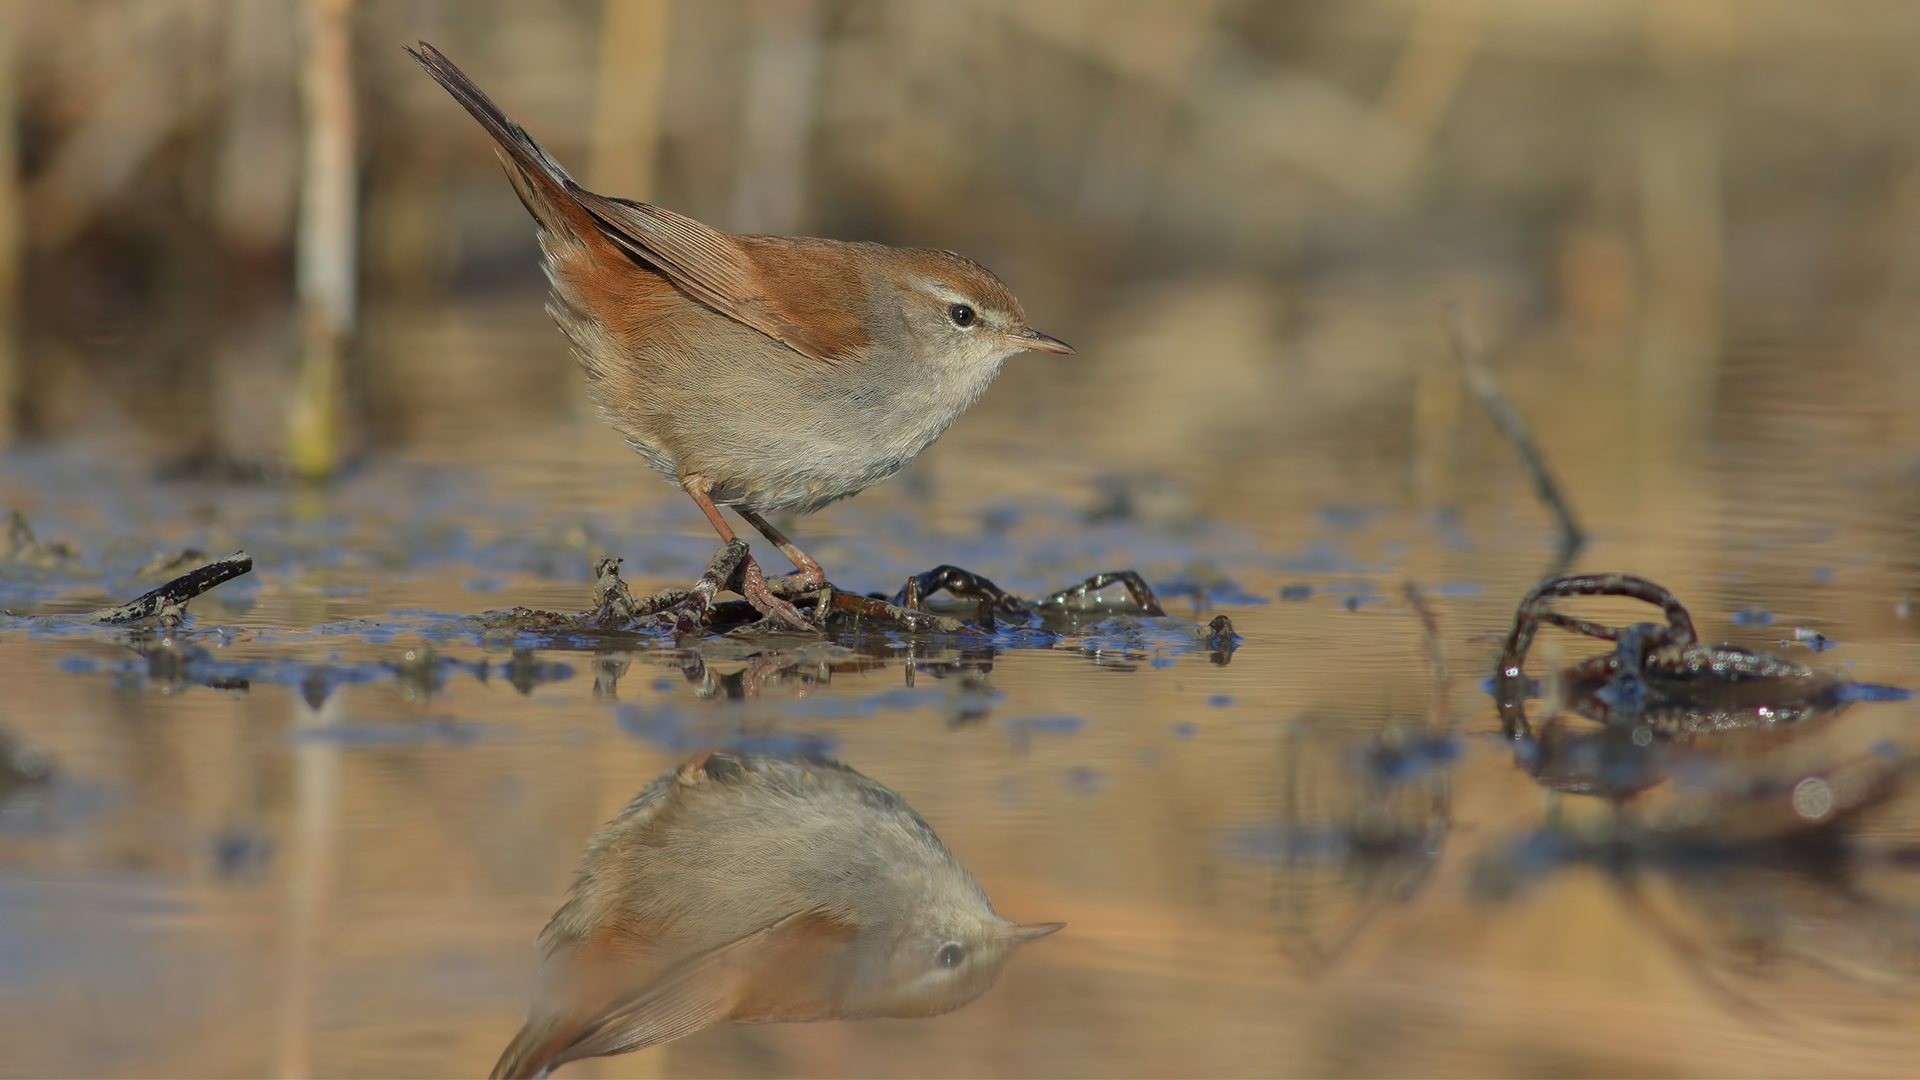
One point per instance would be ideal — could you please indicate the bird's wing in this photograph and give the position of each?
(811, 307)
(705, 989)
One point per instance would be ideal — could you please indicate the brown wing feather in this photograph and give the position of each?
(815, 291)
(801, 293)
(706, 989)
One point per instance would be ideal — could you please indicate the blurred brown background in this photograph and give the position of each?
(1688, 229)
(1285, 191)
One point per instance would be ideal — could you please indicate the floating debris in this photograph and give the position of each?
(1658, 685)
(167, 604)
(1657, 675)
(1812, 639)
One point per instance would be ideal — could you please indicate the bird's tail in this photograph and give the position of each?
(549, 194)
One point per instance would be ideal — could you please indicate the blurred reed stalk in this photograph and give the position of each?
(626, 108)
(324, 246)
(12, 382)
(1426, 78)
(256, 171)
(783, 65)
(1682, 243)
(1681, 218)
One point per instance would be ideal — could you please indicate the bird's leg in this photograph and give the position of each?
(753, 583)
(810, 576)
(810, 571)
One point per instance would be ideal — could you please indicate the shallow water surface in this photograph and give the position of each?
(316, 830)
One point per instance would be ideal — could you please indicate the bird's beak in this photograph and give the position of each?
(1021, 933)
(1039, 342)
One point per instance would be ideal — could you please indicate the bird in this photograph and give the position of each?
(757, 889)
(768, 374)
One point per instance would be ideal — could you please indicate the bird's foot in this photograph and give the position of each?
(752, 584)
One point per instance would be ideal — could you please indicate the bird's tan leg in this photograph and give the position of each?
(810, 571)
(753, 583)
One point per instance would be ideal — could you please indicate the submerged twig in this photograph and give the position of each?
(868, 607)
(698, 611)
(1429, 629)
(1436, 648)
(719, 572)
(1659, 682)
(169, 602)
(1507, 419)
(614, 604)
(965, 585)
(1138, 591)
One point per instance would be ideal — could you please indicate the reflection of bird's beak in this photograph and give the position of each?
(1021, 933)
(1039, 342)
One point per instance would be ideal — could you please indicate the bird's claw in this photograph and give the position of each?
(753, 586)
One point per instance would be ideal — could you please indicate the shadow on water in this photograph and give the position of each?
(1363, 821)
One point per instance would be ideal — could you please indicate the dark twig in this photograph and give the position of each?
(719, 572)
(1507, 419)
(990, 599)
(169, 602)
(1532, 612)
(1138, 591)
(1580, 626)
(867, 607)
(612, 601)
(695, 611)
(1429, 629)
(1659, 679)
(1436, 648)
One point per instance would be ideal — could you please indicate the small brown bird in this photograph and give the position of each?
(765, 373)
(757, 890)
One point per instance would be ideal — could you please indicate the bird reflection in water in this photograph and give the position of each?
(752, 889)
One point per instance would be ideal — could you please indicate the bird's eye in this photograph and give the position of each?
(951, 955)
(962, 315)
